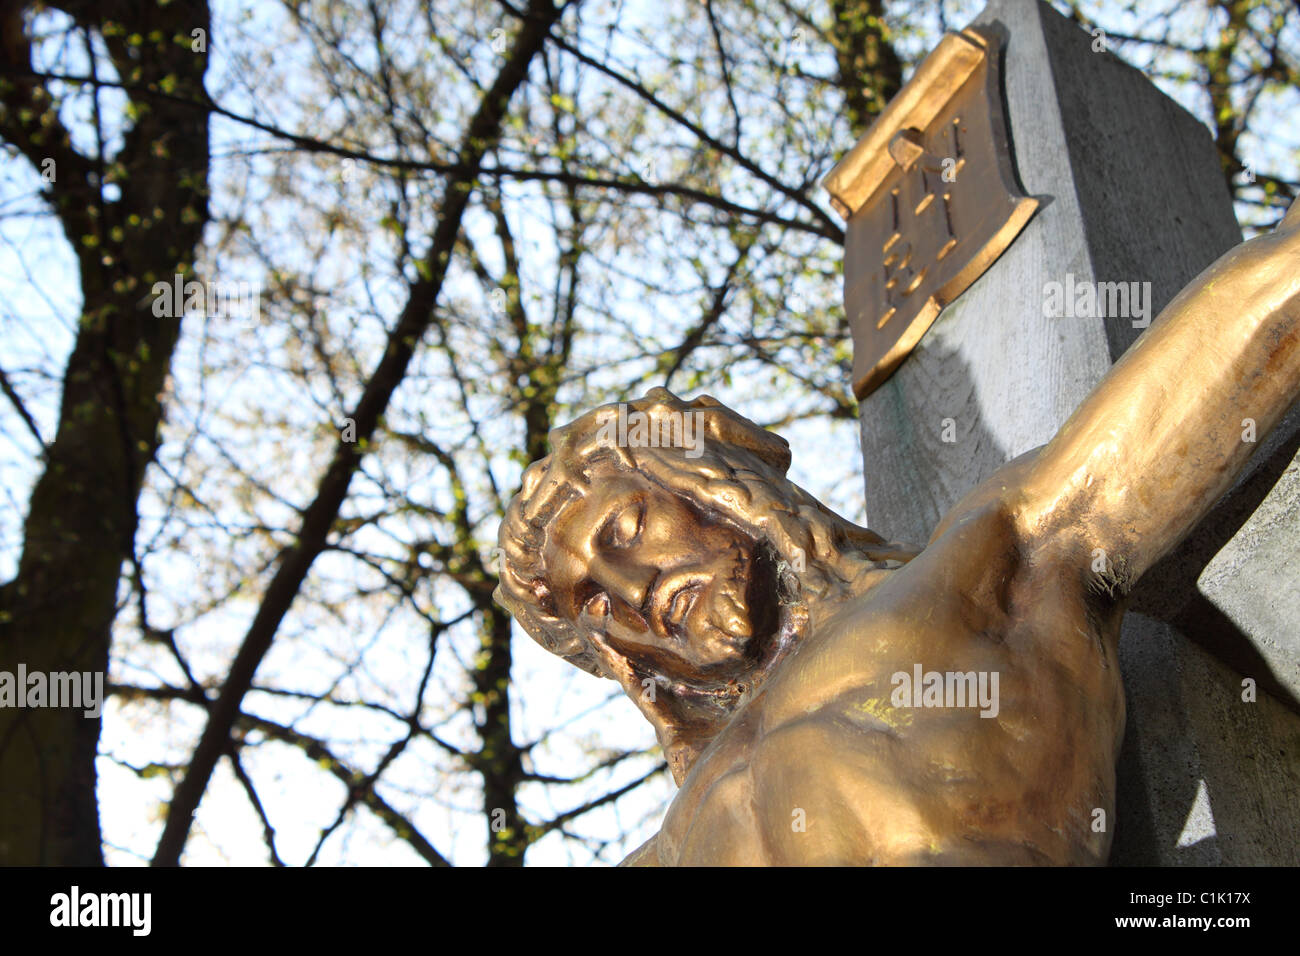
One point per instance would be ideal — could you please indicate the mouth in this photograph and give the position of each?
(677, 608)
(749, 603)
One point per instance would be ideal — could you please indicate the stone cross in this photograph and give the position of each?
(991, 282)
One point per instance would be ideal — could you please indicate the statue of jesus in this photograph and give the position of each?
(824, 696)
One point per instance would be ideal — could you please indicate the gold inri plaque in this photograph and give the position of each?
(931, 201)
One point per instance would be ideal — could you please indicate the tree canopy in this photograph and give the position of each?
(418, 236)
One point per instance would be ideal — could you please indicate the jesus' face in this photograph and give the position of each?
(673, 585)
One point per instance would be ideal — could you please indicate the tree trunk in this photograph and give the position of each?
(56, 615)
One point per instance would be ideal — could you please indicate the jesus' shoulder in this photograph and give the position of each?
(964, 710)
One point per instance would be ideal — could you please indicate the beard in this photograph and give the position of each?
(757, 610)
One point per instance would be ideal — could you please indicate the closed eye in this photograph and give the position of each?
(624, 529)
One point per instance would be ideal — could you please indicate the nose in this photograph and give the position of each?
(628, 580)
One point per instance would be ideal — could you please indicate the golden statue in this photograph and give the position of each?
(826, 697)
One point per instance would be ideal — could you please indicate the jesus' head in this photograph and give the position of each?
(684, 568)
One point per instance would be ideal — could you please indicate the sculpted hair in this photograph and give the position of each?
(739, 472)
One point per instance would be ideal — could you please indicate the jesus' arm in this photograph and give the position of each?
(1164, 434)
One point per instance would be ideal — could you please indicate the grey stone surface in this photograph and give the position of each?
(1131, 191)
(1205, 777)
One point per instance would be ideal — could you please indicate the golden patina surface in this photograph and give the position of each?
(931, 201)
(763, 636)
